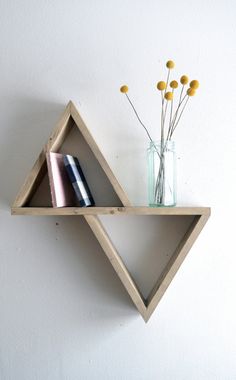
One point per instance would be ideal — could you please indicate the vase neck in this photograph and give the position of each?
(166, 143)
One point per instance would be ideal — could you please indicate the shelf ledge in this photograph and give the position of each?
(143, 210)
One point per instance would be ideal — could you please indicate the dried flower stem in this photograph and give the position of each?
(167, 80)
(162, 114)
(136, 113)
(174, 127)
(171, 111)
(181, 93)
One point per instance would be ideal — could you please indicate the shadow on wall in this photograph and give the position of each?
(100, 279)
(62, 281)
(29, 123)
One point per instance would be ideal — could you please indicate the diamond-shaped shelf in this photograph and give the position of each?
(23, 206)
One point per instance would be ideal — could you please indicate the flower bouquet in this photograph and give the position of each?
(162, 188)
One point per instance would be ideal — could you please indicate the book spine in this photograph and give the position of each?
(78, 181)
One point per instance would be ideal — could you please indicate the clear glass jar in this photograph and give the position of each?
(162, 174)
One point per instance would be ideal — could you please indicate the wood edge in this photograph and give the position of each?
(178, 257)
(117, 263)
(60, 131)
(185, 238)
(31, 180)
(103, 211)
(98, 154)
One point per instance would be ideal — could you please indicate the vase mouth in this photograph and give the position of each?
(169, 143)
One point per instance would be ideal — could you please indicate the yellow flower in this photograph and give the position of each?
(170, 64)
(161, 85)
(191, 91)
(174, 84)
(184, 79)
(168, 95)
(194, 84)
(124, 89)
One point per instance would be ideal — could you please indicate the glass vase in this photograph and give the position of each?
(162, 174)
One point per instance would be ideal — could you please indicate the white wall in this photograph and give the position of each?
(64, 314)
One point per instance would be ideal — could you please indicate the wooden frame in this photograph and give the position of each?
(201, 214)
(54, 142)
(147, 306)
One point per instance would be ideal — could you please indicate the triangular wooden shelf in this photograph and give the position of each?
(69, 118)
(200, 214)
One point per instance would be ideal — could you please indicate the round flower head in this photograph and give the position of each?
(191, 91)
(194, 84)
(184, 79)
(174, 84)
(170, 64)
(124, 89)
(161, 85)
(168, 95)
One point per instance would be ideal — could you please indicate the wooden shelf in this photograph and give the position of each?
(143, 210)
(22, 206)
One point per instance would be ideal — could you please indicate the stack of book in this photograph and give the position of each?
(67, 182)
